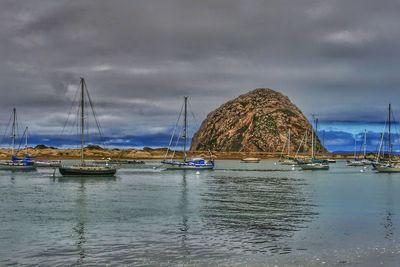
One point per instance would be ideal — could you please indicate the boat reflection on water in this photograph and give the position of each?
(81, 212)
(183, 207)
(79, 228)
(86, 179)
(264, 212)
(388, 214)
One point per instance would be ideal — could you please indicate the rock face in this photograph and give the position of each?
(258, 121)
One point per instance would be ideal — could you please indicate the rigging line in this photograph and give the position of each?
(382, 140)
(17, 125)
(177, 141)
(99, 128)
(8, 125)
(283, 149)
(396, 128)
(76, 126)
(87, 123)
(301, 143)
(70, 111)
(173, 133)
(20, 141)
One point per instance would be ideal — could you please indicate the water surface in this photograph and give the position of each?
(255, 214)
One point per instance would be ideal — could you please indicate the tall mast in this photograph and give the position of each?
(82, 117)
(312, 139)
(185, 130)
(390, 124)
(13, 131)
(288, 148)
(355, 148)
(316, 135)
(26, 140)
(365, 143)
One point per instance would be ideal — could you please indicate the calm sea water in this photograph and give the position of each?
(240, 214)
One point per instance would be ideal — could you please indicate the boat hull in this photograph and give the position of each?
(87, 171)
(50, 164)
(178, 165)
(16, 167)
(315, 167)
(186, 167)
(355, 164)
(289, 162)
(250, 160)
(386, 169)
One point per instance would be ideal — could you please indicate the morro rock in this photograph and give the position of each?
(258, 121)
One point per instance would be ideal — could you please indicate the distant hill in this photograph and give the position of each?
(254, 122)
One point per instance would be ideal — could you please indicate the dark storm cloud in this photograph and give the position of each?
(338, 59)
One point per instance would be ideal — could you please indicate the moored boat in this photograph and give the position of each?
(356, 162)
(17, 164)
(47, 163)
(250, 160)
(315, 164)
(84, 168)
(197, 163)
(389, 165)
(192, 164)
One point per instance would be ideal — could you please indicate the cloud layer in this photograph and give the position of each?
(338, 59)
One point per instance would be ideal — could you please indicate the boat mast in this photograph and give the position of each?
(185, 130)
(390, 124)
(355, 148)
(316, 135)
(13, 131)
(312, 139)
(82, 117)
(288, 149)
(365, 143)
(26, 140)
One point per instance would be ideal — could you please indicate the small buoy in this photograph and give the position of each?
(274, 163)
(293, 168)
(154, 168)
(197, 172)
(361, 170)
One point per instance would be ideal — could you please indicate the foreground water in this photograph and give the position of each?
(227, 217)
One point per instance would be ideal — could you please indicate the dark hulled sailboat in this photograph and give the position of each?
(83, 168)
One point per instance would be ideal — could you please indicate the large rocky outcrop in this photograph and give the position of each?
(256, 121)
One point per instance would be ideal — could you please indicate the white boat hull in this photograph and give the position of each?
(387, 169)
(48, 164)
(188, 165)
(315, 167)
(11, 166)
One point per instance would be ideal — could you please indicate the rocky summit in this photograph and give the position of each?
(258, 121)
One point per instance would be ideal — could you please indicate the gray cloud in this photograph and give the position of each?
(338, 59)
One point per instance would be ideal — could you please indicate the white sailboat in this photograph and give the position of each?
(388, 166)
(315, 164)
(357, 161)
(84, 168)
(288, 160)
(16, 164)
(185, 163)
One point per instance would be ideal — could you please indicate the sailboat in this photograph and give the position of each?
(289, 160)
(185, 163)
(388, 166)
(314, 163)
(356, 161)
(83, 168)
(24, 164)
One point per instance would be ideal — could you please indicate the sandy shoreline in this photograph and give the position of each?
(147, 153)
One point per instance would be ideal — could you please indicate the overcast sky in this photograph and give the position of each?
(338, 59)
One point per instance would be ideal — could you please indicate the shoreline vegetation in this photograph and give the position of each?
(96, 152)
